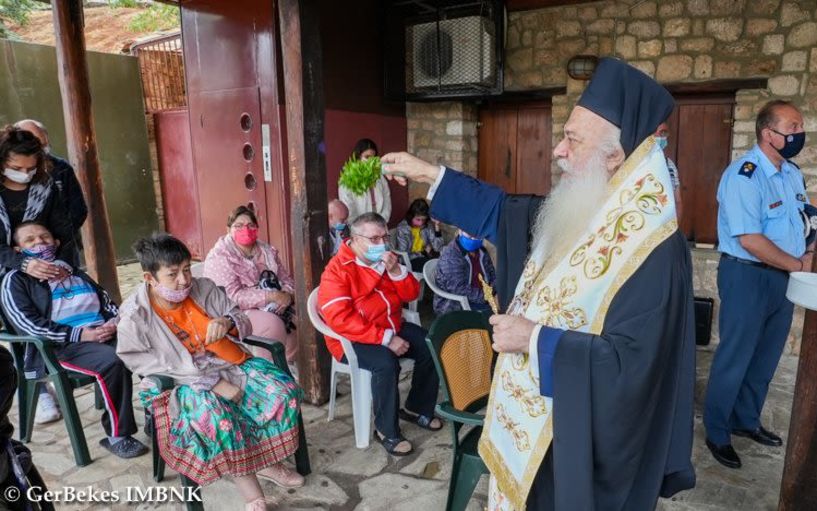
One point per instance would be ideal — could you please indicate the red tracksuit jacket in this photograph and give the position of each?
(361, 303)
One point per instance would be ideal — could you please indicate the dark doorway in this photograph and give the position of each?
(515, 146)
(700, 143)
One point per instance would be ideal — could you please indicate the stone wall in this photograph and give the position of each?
(672, 40)
(444, 133)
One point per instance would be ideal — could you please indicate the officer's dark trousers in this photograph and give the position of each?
(100, 361)
(755, 318)
(385, 368)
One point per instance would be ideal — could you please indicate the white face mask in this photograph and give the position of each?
(18, 176)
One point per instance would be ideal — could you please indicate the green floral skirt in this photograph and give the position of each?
(213, 437)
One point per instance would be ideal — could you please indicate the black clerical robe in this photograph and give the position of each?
(623, 400)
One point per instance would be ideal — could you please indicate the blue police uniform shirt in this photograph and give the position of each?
(755, 198)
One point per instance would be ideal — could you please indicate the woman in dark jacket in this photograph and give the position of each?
(28, 193)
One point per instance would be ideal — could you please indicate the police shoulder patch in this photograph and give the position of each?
(747, 169)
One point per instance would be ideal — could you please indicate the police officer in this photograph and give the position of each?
(761, 235)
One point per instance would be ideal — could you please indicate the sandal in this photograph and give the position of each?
(424, 421)
(391, 444)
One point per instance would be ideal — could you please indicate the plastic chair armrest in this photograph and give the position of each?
(447, 411)
(162, 382)
(42, 345)
(275, 348)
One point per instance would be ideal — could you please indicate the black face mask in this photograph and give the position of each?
(794, 144)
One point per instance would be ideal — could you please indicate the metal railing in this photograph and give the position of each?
(161, 65)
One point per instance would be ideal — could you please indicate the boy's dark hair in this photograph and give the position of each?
(160, 249)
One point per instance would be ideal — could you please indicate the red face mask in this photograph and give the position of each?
(246, 236)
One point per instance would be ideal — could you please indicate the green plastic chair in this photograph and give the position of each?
(164, 383)
(460, 343)
(64, 381)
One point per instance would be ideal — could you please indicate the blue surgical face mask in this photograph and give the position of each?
(375, 252)
(469, 244)
(339, 226)
(662, 142)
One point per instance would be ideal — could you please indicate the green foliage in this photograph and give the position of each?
(123, 3)
(16, 11)
(358, 176)
(156, 17)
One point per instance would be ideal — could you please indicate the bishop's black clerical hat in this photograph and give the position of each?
(628, 98)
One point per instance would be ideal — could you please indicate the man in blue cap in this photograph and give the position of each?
(761, 200)
(592, 399)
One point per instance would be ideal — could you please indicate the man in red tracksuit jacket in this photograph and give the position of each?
(361, 297)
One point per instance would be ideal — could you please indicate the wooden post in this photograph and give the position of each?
(303, 88)
(75, 88)
(798, 490)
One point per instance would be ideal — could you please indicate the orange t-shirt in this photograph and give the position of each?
(189, 324)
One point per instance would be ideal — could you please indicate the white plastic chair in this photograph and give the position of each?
(430, 273)
(361, 379)
(404, 257)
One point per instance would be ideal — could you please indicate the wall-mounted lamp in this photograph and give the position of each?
(581, 67)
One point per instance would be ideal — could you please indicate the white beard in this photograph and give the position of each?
(567, 211)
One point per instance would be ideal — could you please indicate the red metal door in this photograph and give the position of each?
(180, 199)
(226, 136)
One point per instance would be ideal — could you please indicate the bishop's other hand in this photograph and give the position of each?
(403, 167)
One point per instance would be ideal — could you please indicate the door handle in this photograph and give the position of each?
(508, 164)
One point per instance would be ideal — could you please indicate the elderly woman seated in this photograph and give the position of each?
(254, 278)
(231, 414)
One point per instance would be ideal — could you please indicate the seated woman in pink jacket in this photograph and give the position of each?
(255, 279)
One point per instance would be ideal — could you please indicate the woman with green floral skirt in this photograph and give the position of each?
(231, 414)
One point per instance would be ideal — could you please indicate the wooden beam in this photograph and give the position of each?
(717, 86)
(75, 88)
(524, 5)
(798, 490)
(303, 89)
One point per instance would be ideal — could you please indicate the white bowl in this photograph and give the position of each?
(802, 289)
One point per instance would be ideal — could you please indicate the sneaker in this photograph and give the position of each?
(128, 447)
(282, 475)
(47, 409)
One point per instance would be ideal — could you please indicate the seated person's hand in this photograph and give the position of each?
(44, 270)
(228, 391)
(398, 345)
(63, 274)
(217, 329)
(281, 298)
(392, 263)
(102, 333)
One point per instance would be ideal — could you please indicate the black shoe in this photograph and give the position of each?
(128, 447)
(725, 454)
(761, 435)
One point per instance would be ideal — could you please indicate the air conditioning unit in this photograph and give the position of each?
(460, 54)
